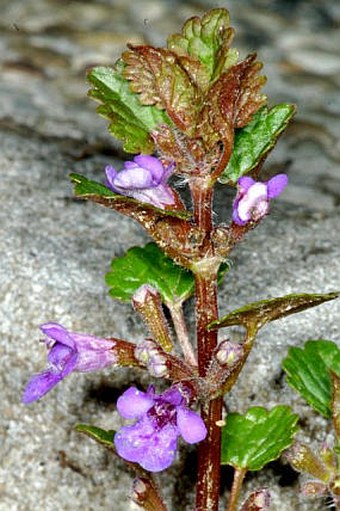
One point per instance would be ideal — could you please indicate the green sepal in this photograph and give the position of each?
(252, 440)
(308, 372)
(253, 142)
(102, 436)
(130, 121)
(257, 314)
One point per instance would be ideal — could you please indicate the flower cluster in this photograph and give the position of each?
(144, 179)
(160, 419)
(252, 199)
(68, 352)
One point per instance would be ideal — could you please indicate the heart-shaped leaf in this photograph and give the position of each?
(308, 372)
(149, 265)
(130, 121)
(257, 314)
(253, 142)
(252, 440)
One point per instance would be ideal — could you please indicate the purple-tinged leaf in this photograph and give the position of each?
(157, 75)
(231, 103)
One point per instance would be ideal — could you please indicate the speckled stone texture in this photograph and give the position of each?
(55, 250)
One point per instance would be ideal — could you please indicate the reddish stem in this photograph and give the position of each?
(209, 451)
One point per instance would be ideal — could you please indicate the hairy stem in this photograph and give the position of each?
(177, 316)
(209, 451)
(236, 489)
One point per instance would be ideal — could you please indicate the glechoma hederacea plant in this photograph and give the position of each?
(194, 111)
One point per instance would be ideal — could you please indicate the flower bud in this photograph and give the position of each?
(313, 489)
(228, 353)
(150, 355)
(147, 301)
(302, 458)
(259, 500)
(139, 490)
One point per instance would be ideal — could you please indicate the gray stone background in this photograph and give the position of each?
(55, 250)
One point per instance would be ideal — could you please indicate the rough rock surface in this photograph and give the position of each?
(55, 250)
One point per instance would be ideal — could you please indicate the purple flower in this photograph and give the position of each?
(152, 440)
(68, 351)
(144, 179)
(252, 199)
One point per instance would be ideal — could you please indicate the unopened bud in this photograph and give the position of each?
(328, 456)
(313, 489)
(147, 301)
(228, 353)
(139, 490)
(259, 500)
(150, 355)
(301, 457)
(157, 367)
(144, 350)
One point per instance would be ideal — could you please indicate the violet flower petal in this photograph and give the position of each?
(245, 182)
(62, 358)
(254, 203)
(190, 425)
(276, 185)
(93, 353)
(154, 165)
(110, 174)
(158, 197)
(141, 443)
(40, 384)
(172, 396)
(134, 179)
(134, 403)
(57, 333)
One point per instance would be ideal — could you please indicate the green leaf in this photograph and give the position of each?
(252, 440)
(99, 435)
(308, 372)
(149, 265)
(86, 187)
(130, 121)
(254, 141)
(257, 314)
(207, 40)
